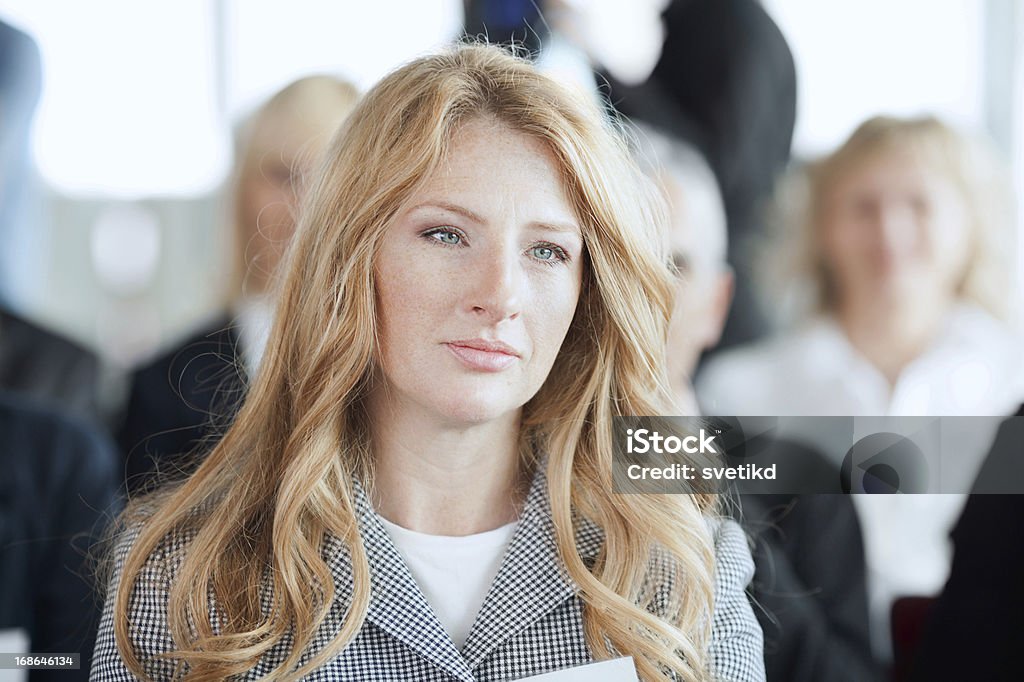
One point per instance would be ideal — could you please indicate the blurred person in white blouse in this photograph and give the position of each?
(894, 254)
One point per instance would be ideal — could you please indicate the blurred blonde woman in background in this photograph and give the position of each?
(418, 485)
(898, 249)
(179, 398)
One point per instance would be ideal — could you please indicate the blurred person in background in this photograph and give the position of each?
(506, 21)
(34, 362)
(59, 480)
(726, 83)
(809, 589)
(979, 611)
(895, 248)
(20, 86)
(179, 400)
(58, 490)
(45, 367)
(698, 245)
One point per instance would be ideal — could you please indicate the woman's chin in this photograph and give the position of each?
(475, 408)
(473, 414)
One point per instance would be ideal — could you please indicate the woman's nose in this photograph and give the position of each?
(497, 294)
(894, 224)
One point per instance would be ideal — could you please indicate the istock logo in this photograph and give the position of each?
(642, 441)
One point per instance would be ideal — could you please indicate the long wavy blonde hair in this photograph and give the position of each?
(258, 510)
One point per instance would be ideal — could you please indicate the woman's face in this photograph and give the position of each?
(895, 229)
(478, 279)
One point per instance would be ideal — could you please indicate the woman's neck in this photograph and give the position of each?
(890, 335)
(443, 479)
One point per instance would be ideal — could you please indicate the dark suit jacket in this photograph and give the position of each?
(975, 629)
(810, 588)
(725, 82)
(180, 403)
(57, 491)
(810, 584)
(45, 367)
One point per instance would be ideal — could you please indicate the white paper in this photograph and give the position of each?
(615, 670)
(14, 641)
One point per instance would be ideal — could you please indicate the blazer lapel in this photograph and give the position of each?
(397, 605)
(531, 581)
(529, 584)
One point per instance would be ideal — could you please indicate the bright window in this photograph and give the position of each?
(138, 97)
(129, 102)
(857, 59)
(269, 43)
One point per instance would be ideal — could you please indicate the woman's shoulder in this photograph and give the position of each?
(732, 549)
(736, 648)
(147, 612)
(737, 643)
(163, 561)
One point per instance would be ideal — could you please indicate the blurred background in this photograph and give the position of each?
(118, 243)
(151, 153)
(121, 241)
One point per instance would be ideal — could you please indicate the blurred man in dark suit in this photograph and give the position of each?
(45, 367)
(57, 491)
(33, 362)
(809, 588)
(725, 83)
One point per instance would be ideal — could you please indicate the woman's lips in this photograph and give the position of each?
(482, 360)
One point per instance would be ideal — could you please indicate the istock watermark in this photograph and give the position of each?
(667, 455)
(813, 455)
(642, 441)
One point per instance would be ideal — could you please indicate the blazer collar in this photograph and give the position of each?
(530, 583)
(397, 606)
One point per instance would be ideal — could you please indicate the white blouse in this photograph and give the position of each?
(254, 317)
(974, 367)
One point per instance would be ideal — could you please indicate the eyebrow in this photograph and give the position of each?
(564, 228)
(453, 208)
(557, 226)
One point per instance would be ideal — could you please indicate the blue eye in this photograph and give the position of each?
(549, 254)
(445, 236)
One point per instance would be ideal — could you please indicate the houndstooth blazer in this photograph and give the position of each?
(530, 622)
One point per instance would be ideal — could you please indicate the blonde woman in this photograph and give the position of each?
(418, 486)
(894, 259)
(176, 397)
(898, 247)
